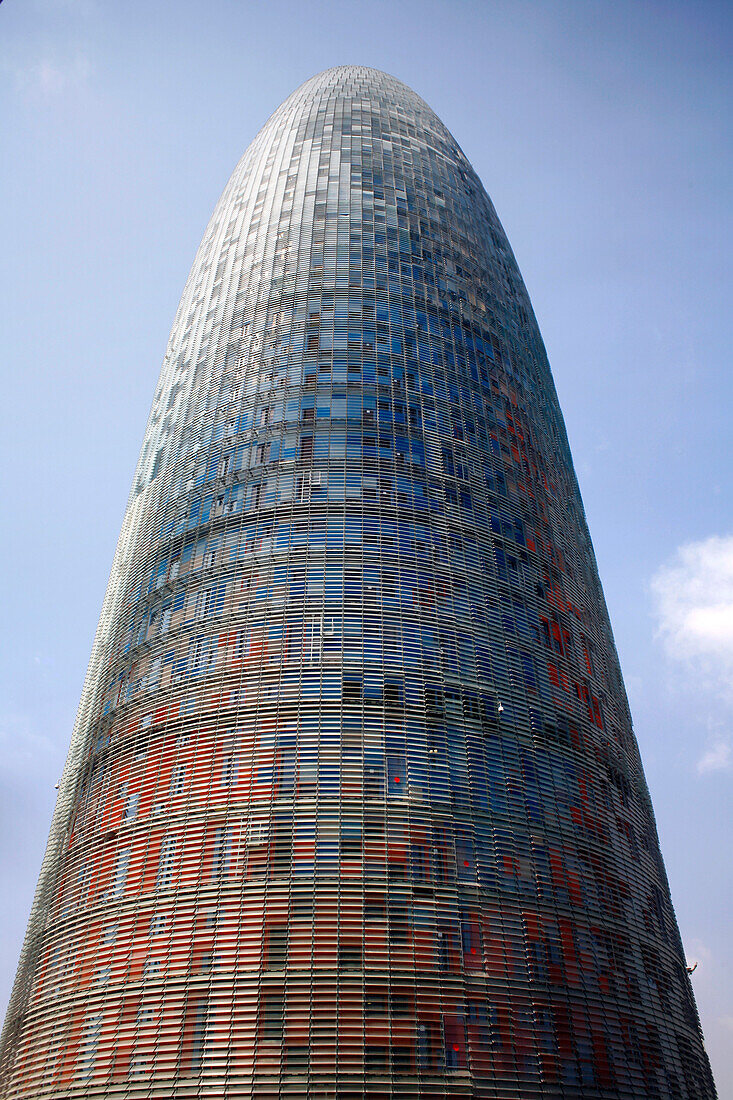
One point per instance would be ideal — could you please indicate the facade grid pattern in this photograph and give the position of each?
(353, 804)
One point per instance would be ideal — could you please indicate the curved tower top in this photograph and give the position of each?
(353, 804)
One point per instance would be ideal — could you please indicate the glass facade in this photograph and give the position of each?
(353, 804)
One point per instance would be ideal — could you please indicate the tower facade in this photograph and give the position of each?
(353, 804)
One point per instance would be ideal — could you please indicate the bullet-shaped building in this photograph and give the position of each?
(353, 805)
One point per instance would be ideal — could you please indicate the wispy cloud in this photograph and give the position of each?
(50, 75)
(693, 596)
(698, 952)
(21, 746)
(717, 758)
(694, 599)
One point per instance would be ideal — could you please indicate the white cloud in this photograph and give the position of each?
(21, 747)
(698, 952)
(694, 603)
(716, 759)
(693, 597)
(52, 75)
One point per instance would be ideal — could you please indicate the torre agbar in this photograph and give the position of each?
(353, 805)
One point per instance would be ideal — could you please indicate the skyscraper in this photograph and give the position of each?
(353, 804)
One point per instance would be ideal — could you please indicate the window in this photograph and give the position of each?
(351, 840)
(375, 1059)
(401, 1059)
(197, 1016)
(375, 1004)
(398, 922)
(158, 924)
(455, 1042)
(374, 907)
(352, 691)
(401, 1004)
(139, 1066)
(302, 908)
(393, 694)
(350, 955)
(471, 943)
(296, 1059)
(131, 806)
(221, 853)
(285, 769)
(305, 485)
(89, 1044)
(396, 776)
(258, 834)
(424, 1046)
(165, 861)
(276, 947)
(178, 779)
(272, 1017)
(119, 877)
(229, 770)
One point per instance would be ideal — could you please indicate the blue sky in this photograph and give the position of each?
(599, 132)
